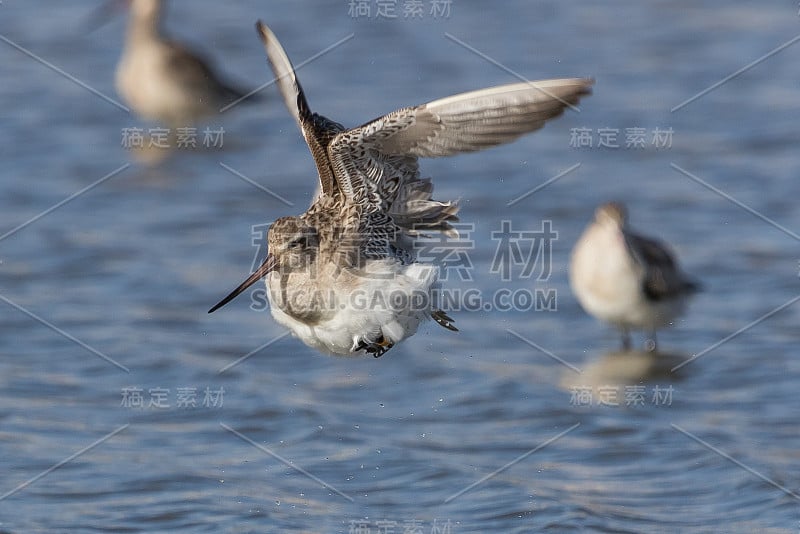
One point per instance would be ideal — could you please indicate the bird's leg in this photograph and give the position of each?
(377, 348)
(626, 339)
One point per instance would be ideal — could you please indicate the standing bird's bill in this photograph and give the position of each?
(372, 198)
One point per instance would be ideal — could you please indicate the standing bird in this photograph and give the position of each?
(630, 281)
(162, 80)
(342, 276)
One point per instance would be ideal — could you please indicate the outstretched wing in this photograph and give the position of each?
(662, 277)
(317, 130)
(366, 160)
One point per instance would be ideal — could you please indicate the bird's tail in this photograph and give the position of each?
(416, 211)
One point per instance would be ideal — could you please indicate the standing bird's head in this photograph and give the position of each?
(612, 213)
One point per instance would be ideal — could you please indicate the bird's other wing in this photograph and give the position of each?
(317, 130)
(476, 120)
(375, 164)
(285, 77)
(662, 277)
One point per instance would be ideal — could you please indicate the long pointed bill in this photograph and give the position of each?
(267, 267)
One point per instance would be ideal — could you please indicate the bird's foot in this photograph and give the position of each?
(377, 348)
(444, 320)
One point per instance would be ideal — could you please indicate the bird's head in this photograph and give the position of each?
(293, 244)
(612, 213)
(293, 247)
(146, 9)
(141, 10)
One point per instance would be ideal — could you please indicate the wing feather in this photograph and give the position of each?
(662, 277)
(480, 119)
(316, 129)
(462, 123)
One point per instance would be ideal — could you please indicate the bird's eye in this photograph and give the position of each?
(299, 243)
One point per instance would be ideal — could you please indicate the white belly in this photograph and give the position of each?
(391, 308)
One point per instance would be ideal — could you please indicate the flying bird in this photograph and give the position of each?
(342, 276)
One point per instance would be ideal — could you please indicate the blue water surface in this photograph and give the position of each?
(517, 423)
